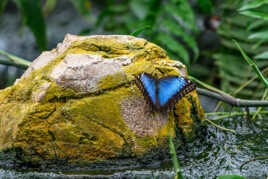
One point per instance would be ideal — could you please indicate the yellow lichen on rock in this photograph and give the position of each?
(185, 111)
(81, 103)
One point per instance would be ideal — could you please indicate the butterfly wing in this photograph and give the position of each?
(148, 85)
(172, 88)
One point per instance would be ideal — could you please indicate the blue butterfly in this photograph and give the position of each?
(163, 93)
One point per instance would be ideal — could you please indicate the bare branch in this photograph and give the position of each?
(231, 100)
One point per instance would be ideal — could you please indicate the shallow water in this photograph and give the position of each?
(219, 153)
(224, 152)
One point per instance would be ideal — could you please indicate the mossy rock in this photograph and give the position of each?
(79, 104)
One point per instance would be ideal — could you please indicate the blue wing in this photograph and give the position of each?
(169, 87)
(149, 85)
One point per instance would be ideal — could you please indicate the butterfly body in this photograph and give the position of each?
(163, 93)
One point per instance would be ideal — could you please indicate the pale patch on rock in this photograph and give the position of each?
(38, 63)
(123, 60)
(139, 117)
(181, 68)
(39, 95)
(48, 56)
(82, 72)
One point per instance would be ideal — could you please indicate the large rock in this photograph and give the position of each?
(79, 103)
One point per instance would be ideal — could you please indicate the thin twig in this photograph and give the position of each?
(260, 108)
(228, 115)
(217, 113)
(220, 127)
(248, 114)
(242, 87)
(231, 100)
(206, 85)
(249, 81)
(252, 160)
(234, 113)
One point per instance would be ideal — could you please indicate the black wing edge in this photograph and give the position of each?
(143, 90)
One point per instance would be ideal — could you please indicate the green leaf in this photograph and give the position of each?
(246, 46)
(259, 35)
(252, 64)
(15, 59)
(253, 4)
(83, 6)
(10, 63)
(183, 11)
(256, 14)
(176, 29)
(85, 31)
(230, 5)
(258, 44)
(257, 24)
(237, 20)
(199, 70)
(238, 68)
(138, 7)
(205, 6)
(2, 6)
(231, 177)
(106, 12)
(140, 30)
(49, 6)
(239, 78)
(263, 55)
(33, 18)
(153, 10)
(174, 157)
(174, 46)
(233, 32)
(118, 8)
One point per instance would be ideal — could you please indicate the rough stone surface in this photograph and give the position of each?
(84, 74)
(148, 124)
(79, 103)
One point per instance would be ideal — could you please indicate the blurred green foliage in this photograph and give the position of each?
(83, 6)
(171, 24)
(2, 6)
(249, 31)
(205, 6)
(32, 17)
(33, 12)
